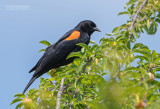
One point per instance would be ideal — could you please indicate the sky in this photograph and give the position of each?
(24, 23)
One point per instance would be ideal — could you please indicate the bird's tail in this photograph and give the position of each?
(30, 82)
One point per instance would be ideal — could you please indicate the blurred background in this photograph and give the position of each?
(24, 23)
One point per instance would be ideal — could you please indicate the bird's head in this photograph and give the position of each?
(88, 26)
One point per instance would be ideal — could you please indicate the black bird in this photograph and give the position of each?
(56, 54)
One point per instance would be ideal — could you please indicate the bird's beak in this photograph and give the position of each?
(97, 29)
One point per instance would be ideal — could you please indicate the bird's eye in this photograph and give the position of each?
(92, 25)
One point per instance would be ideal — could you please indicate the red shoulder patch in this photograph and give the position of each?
(74, 35)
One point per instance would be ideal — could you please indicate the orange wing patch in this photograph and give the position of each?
(74, 35)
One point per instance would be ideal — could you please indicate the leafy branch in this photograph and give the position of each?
(135, 17)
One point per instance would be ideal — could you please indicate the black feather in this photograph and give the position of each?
(30, 82)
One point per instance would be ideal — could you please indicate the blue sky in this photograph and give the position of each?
(23, 23)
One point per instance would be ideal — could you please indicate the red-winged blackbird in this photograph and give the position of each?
(56, 54)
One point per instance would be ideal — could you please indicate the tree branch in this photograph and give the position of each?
(74, 96)
(58, 103)
(135, 17)
(88, 62)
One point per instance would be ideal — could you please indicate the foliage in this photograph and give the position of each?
(103, 75)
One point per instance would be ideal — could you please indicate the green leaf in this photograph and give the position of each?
(41, 80)
(130, 2)
(33, 92)
(144, 53)
(137, 45)
(20, 95)
(157, 69)
(110, 65)
(124, 12)
(85, 46)
(157, 20)
(94, 47)
(154, 54)
(112, 34)
(80, 67)
(45, 42)
(16, 100)
(140, 46)
(19, 105)
(156, 59)
(153, 12)
(74, 103)
(157, 75)
(123, 39)
(104, 40)
(158, 15)
(152, 29)
(129, 45)
(132, 68)
(74, 54)
(42, 50)
(93, 42)
(77, 61)
(116, 30)
(142, 58)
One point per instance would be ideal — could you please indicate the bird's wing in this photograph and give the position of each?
(48, 49)
(71, 35)
(56, 52)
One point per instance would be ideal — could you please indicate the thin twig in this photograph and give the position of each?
(52, 85)
(88, 63)
(75, 93)
(58, 102)
(117, 71)
(135, 17)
